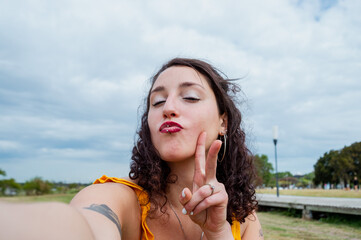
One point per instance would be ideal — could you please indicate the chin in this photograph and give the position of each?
(175, 156)
(175, 151)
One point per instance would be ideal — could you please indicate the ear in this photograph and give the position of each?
(223, 124)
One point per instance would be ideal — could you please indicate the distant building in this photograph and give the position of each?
(298, 176)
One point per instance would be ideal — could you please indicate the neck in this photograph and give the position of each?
(184, 170)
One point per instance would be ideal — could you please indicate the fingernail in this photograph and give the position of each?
(183, 193)
(191, 213)
(184, 211)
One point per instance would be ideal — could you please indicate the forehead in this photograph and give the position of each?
(173, 76)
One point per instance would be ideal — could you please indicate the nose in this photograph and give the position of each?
(170, 108)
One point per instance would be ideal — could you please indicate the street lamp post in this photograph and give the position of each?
(275, 136)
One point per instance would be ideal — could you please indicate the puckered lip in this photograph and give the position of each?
(170, 126)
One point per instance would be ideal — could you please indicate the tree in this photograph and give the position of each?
(303, 183)
(309, 176)
(343, 168)
(306, 181)
(338, 166)
(324, 169)
(280, 176)
(354, 152)
(9, 184)
(263, 170)
(285, 182)
(37, 186)
(284, 174)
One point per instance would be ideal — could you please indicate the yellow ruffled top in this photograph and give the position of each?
(145, 206)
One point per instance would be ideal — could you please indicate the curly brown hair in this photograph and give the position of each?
(236, 171)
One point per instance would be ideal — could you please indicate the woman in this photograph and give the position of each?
(191, 174)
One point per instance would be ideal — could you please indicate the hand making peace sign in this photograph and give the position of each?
(207, 203)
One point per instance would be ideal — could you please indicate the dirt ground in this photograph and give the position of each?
(279, 227)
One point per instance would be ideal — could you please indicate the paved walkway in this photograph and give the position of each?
(309, 204)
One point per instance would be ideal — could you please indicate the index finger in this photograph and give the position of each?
(199, 162)
(211, 162)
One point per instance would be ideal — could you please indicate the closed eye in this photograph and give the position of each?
(158, 103)
(191, 99)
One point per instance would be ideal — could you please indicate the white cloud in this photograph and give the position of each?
(9, 145)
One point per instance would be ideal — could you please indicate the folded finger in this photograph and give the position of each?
(217, 199)
(198, 196)
(184, 197)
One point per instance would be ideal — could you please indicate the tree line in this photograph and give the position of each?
(36, 186)
(336, 167)
(339, 167)
(266, 177)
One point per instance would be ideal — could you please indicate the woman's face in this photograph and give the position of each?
(182, 105)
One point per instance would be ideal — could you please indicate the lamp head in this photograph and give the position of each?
(275, 133)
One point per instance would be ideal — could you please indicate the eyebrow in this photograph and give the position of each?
(182, 85)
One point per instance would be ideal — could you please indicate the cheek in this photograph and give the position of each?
(211, 127)
(209, 121)
(151, 121)
(152, 127)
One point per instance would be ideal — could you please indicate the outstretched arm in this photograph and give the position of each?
(42, 221)
(102, 211)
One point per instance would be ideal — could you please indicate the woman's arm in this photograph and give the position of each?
(102, 211)
(42, 221)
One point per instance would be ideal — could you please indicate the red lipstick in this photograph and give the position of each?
(170, 127)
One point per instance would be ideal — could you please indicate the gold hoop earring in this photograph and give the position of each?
(224, 145)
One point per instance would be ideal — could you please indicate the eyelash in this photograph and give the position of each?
(157, 103)
(192, 99)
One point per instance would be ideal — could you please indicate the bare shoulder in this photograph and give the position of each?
(111, 193)
(119, 197)
(251, 228)
(109, 208)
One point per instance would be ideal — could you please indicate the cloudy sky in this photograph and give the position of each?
(73, 73)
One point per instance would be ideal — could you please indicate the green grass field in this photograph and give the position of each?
(315, 192)
(276, 225)
(65, 198)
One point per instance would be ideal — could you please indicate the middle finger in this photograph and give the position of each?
(211, 162)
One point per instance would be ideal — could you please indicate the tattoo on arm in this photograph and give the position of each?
(260, 233)
(106, 211)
